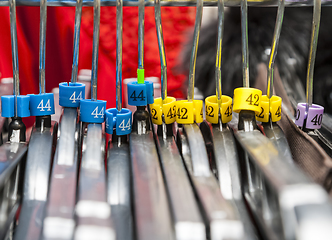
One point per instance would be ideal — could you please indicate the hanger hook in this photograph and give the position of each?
(312, 52)
(95, 49)
(13, 32)
(192, 68)
(78, 18)
(162, 53)
(42, 44)
(245, 48)
(221, 16)
(274, 47)
(119, 28)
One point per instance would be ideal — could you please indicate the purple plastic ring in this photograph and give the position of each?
(313, 117)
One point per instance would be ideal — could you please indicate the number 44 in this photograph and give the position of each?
(42, 107)
(73, 97)
(124, 127)
(95, 113)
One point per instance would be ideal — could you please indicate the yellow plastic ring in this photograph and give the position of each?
(247, 99)
(263, 115)
(275, 109)
(211, 109)
(168, 109)
(187, 112)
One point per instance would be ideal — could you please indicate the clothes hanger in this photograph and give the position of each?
(58, 223)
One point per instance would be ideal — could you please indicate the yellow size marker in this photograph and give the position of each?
(168, 109)
(247, 99)
(187, 112)
(212, 112)
(275, 109)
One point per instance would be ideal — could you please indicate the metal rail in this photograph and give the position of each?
(228, 3)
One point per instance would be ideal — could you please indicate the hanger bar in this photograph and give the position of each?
(134, 3)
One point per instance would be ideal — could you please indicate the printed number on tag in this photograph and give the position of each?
(42, 107)
(73, 97)
(96, 113)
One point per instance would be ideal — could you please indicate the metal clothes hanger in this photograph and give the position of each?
(92, 189)
(40, 151)
(150, 200)
(119, 194)
(183, 204)
(220, 141)
(58, 223)
(192, 147)
(14, 151)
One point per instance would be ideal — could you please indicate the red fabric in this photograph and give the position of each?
(59, 47)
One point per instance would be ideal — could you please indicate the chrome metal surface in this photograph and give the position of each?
(219, 51)
(36, 183)
(119, 190)
(221, 217)
(141, 10)
(278, 138)
(276, 191)
(274, 47)
(95, 49)
(187, 219)
(11, 177)
(119, 24)
(78, 18)
(228, 172)
(152, 214)
(228, 3)
(93, 213)
(13, 36)
(193, 56)
(244, 43)
(312, 52)
(162, 53)
(59, 220)
(42, 45)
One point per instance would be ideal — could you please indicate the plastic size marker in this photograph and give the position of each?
(119, 118)
(166, 109)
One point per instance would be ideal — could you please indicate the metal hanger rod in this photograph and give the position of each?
(13, 33)
(141, 6)
(312, 52)
(274, 47)
(162, 53)
(119, 28)
(245, 48)
(78, 17)
(192, 68)
(42, 45)
(219, 51)
(95, 50)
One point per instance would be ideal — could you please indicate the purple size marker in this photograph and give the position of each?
(315, 117)
(301, 114)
